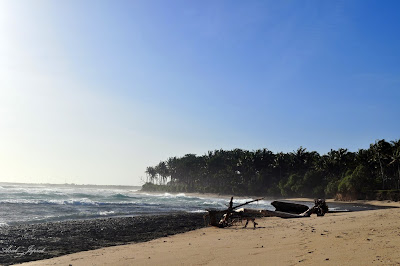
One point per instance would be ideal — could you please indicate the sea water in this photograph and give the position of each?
(35, 203)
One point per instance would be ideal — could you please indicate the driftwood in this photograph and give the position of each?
(268, 213)
(320, 208)
(224, 218)
(233, 215)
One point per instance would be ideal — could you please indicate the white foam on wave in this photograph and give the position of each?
(197, 211)
(157, 195)
(84, 201)
(240, 201)
(260, 202)
(170, 196)
(104, 213)
(212, 203)
(54, 202)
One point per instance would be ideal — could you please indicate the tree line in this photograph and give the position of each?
(301, 173)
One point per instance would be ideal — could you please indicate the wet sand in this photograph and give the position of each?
(21, 243)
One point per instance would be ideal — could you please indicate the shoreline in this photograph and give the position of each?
(355, 238)
(378, 203)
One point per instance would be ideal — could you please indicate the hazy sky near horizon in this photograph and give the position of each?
(93, 92)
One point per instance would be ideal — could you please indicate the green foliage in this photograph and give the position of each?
(294, 185)
(274, 191)
(346, 185)
(332, 188)
(313, 184)
(297, 173)
(393, 195)
(357, 183)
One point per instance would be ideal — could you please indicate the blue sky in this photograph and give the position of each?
(96, 91)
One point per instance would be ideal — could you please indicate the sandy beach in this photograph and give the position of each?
(354, 238)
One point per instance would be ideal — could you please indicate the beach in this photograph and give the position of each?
(352, 238)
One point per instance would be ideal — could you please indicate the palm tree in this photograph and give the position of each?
(281, 162)
(151, 173)
(395, 160)
(163, 172)
(380, 149)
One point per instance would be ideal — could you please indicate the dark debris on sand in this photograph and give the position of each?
(61, 238)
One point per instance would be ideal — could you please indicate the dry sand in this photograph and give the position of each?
(356, 238)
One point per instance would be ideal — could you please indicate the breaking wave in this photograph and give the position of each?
(41, 203)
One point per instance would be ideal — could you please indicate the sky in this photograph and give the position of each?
(94, 91)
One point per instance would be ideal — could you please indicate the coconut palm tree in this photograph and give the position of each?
(395, 160)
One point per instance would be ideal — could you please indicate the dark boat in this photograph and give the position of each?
(289, 207)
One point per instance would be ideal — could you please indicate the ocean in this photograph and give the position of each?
(38, 203)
